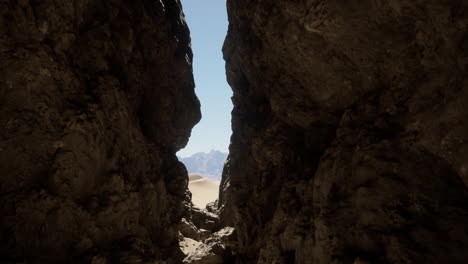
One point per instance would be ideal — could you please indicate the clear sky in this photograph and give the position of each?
(207, 20)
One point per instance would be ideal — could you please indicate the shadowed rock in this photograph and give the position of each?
(349, 142)
(95, 99)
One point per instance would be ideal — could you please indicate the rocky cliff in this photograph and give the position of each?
(350, 140)
(95, 99)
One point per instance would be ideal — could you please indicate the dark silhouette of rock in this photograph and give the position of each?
(350, 139)
(349, 145)
(96, 97)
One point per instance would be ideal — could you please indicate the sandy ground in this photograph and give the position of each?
(203, 190)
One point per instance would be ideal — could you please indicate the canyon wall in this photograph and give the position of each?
(95, 99)
(350, 132)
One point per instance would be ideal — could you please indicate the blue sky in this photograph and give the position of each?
(207, 20)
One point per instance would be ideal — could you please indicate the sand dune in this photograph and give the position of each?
(203, 190)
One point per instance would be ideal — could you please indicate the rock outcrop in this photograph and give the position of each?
(350, 139)
(203, 240)
(216, 249)
(95, 99)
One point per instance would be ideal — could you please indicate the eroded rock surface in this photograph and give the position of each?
(350, 140)
(203, 240)
(95, 99)
(218, 248)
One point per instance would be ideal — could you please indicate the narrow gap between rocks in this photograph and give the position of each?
(202, 238)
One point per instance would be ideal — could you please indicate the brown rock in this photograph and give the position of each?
(95, 99)
(217, 249)
(188, 229)
(204, 219)
(349, 142)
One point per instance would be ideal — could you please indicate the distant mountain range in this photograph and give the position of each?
(209, 165)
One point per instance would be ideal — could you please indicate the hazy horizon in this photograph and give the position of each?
(198, 152)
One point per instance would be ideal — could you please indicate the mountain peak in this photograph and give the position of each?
(209, 164)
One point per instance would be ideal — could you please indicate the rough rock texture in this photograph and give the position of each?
(95, 99)
(216, 249)
(350, 140)
(203, 240)
(205, 219)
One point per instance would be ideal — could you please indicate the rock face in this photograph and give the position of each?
(350, 140)
(214, 250)
(95, 99)
(204, 241)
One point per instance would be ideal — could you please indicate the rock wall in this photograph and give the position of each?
(350, 140)
(95, 99)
